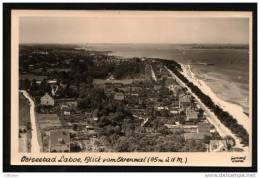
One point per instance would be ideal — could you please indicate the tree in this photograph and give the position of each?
(29, 126)
(26, 84)
(84, 103)
(207, 139)
(75, 147)
(75, 127)
(122, 144)
(230, 141)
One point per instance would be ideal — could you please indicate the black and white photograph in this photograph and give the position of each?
(131, 87)
(101, 84)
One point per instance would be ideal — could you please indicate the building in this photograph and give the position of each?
(66, 113)
(144, 130)
(70, 103)
(47, 100)
(59, 141)
(190, 128)
(191, 115)
(52, 82)
(119, 96)
(218, 146)
(88, 115)
(169, 81)
(175, 89)
(135, 89)
(149, 130)
(138, 111)
(175, 103)
(174, 112)
(157, 87)
(184, 101)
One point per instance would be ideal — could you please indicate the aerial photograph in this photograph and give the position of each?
(123, 83)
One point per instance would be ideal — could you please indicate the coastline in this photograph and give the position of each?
(221, 128)
(233, 109)
(218, 77)
(234, 92)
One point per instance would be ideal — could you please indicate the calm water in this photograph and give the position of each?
(228, 77)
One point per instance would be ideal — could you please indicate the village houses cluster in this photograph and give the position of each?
(154, 97)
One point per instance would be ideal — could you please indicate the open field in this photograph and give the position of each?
(47, 120)
(24, 121)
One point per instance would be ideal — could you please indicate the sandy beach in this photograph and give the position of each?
(226, 89)
(221, 128)
(233, 109)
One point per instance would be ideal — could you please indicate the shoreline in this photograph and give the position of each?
(221, 128)
(233, 109)
(236, 93)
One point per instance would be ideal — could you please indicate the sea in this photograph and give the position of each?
(224, 68)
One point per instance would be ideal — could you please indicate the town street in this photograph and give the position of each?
(35, 147)
(212, 118)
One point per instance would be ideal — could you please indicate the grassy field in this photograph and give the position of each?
(46, 121)
(24, 110)
(24, 120)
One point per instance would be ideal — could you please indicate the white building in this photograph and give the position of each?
(47, 100)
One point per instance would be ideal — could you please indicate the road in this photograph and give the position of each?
(212, 118)
(153, 74)
(35, 147)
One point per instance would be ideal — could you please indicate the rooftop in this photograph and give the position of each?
(191, 114)
(185, 98)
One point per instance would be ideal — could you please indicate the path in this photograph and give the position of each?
(153, 74)
(35, 147)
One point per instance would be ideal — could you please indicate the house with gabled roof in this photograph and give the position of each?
(184, 101)
(47, 100)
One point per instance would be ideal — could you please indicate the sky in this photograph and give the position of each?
(173, 30)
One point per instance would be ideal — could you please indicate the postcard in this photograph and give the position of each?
(131, 88)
